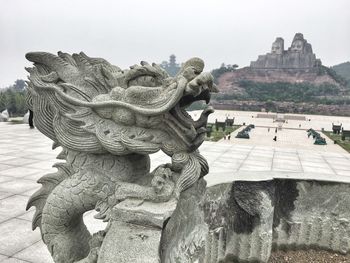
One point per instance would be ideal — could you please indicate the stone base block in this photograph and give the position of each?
(130, 243)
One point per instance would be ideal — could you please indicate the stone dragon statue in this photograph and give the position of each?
(108, 121)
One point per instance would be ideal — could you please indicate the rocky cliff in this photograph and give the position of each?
(297, 64)
(298, 56)
(291, 78)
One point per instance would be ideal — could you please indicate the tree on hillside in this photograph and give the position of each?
(223, 69)
(19, 85)
(343, 70)
(12, 98)
(322, 70)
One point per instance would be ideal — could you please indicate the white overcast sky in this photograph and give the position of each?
(125, 32)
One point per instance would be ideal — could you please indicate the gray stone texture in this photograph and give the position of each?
(140, 212)
(240, 219)
(108, 121)
(320, 218)
(248, 219)
(126, 243)
(183, 238)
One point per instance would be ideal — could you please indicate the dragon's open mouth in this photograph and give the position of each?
(193, 131)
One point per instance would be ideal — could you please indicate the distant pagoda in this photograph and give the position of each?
(298, 56)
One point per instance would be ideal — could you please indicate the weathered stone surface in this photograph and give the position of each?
(183, 238)
(135, 211)
(145, 226)
(137, 225)
(247, 220)
(108, 121)
(240, 219)
(126, 243)
(298, 56)
(320, 218)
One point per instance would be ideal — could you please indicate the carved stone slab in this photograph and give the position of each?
(125, 243)
(136, 211)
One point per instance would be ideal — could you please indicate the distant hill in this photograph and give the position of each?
(317, 91)
(295, 65)
(343, 70)
(288, 80)
(230, 81)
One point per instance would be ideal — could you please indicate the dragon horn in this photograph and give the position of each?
(55, 63)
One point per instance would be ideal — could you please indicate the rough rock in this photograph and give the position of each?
(184, 235)
(247, 220)
(240, 219)
(319, 218)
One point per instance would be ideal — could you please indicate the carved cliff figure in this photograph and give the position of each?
(298, 56)
(278, 46)
(300, 45)
(108, 121)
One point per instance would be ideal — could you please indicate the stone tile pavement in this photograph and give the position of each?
(286, 138)
(233, 162)
(26, 155)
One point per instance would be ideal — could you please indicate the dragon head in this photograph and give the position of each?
(156, 101)
(141, 109)
(88, 105)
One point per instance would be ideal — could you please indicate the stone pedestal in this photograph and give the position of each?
(184, 236)
(231, 222)
(127, 243)
(141, 232)
(135, 231)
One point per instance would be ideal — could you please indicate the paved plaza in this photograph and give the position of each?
(316, 122)
(286, 138)
(26, 155)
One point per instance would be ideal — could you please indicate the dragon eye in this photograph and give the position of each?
(146, 81)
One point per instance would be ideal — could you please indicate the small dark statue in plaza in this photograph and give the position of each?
(107, 121)
(244, 134)
(319, 140)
